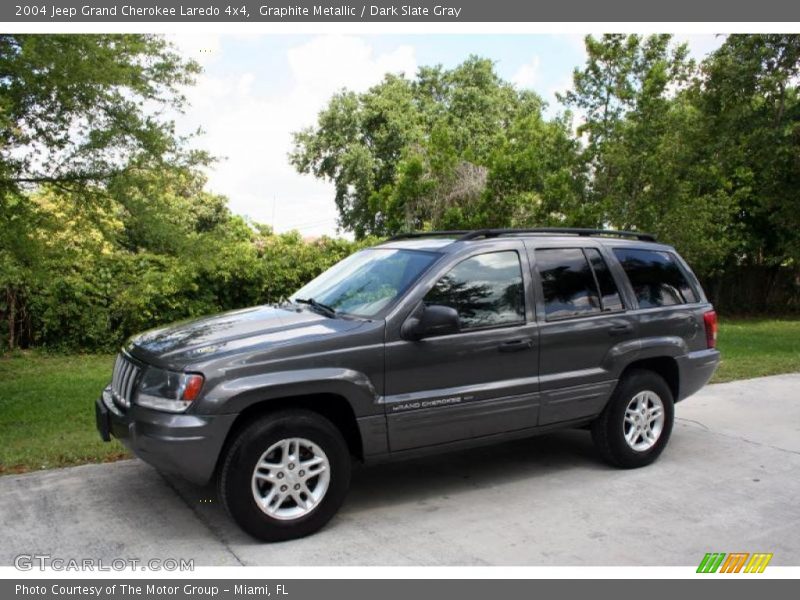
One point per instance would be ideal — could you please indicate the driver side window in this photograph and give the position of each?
(486, 291)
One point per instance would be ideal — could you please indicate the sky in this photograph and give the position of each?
(256, 90)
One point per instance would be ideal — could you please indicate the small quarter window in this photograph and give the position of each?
(656, 277)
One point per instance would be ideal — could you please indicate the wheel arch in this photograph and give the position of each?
(334, 407)
(664, 366)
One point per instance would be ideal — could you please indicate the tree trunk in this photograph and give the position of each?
(12, 316)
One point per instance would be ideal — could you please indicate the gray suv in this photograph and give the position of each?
(427, 343)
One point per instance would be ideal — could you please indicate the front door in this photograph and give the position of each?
(480, 381)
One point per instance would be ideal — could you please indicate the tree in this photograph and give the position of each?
(76, 111)
(75, 108)
(357, 144)
(415, 153)
(646, 146)
(748, 96)
(162, 205)
(537, 178)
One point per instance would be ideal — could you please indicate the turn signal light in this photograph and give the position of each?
(191, 390)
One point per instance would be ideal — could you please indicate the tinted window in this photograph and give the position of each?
(609, 294)
(486, 290)
(656, 277)
(567, 282)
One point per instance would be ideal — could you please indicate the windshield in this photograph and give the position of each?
(366, 282)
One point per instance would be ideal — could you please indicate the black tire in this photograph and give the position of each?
(608, 430)
(235, 477)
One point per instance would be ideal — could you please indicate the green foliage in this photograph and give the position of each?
(536, 178)
(748, 95)
(94, 291)
(704, 157)
(105, 227)
(647, 146)
(72, 107)
(417, 153)
(79, 115)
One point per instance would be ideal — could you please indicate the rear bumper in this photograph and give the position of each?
(696, 369)
(187, 445)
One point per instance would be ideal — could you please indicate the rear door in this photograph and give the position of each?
(583, 322)
(480, 381)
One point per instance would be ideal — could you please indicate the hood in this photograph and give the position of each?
(176, 345)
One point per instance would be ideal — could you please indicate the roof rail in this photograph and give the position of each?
(580, 231)
(423, 234)
(473, 234)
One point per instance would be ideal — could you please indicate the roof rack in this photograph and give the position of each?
(473, 234)
(580, 231)
(423, 234)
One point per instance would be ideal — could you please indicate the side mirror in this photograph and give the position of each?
(431, 320)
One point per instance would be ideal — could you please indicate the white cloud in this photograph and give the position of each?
(528, 74)
(328, 63)
(250, 125)
(701, 45)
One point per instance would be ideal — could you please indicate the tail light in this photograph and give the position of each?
(710, 319)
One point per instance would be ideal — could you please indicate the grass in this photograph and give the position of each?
(757, 347)
(47, 411)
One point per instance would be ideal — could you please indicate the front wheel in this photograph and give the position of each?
(285, 475)
(636, 424)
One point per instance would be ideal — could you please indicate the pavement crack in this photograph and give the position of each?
(738, 437)
(698, 423)
(754, 443)
(200, 517)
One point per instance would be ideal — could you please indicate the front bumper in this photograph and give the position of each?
(184, 444)
(696, 369)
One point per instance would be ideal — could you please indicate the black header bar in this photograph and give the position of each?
(454, 11)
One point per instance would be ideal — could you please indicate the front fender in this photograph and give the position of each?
(234, 396)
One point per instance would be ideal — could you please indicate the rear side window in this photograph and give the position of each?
(568, 284)
(656, 277)
(486, 290)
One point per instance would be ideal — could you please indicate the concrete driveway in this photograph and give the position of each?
(728, 482)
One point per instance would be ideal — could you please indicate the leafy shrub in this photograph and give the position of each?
(95, 305)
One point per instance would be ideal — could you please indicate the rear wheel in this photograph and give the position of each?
(285, 475)
(636, 424)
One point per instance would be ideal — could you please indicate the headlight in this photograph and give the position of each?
(167, 390)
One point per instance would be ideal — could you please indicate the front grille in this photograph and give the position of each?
(124, 380)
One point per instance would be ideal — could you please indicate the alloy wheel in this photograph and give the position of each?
(291, 478)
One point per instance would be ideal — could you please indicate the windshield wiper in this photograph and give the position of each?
(326, 310)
